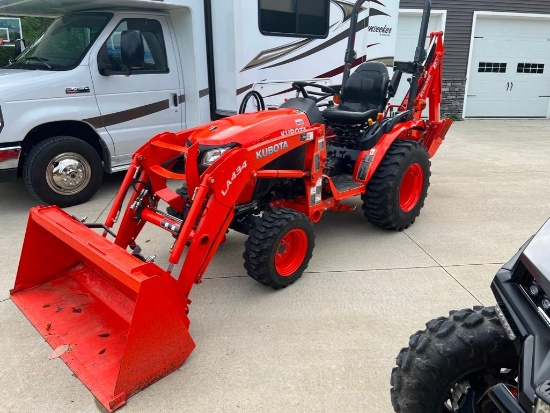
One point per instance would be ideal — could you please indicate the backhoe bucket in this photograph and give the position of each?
(117, 322)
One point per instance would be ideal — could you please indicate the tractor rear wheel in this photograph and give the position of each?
(397, 190)
(449, 366)
(279, 247)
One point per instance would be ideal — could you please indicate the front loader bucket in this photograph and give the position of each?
(117, 322)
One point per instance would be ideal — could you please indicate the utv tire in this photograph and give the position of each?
(63, 171)
(279, 247)
(396, 192)
(468, 347)
(185, 195)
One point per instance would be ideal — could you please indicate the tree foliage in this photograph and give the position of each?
(32, 28)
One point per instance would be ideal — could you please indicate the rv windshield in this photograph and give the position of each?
(64, 44)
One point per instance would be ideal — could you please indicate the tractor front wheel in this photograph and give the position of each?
(396, 192)
(450, 366)
(279, 247)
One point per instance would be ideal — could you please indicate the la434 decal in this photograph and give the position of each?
(234, 176)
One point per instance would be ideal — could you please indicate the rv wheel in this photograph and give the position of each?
(63, 171)
(396, 192)
(450, 366)
(279, 247)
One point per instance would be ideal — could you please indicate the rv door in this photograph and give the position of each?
(140, 100)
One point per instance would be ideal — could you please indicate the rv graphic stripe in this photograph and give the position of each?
(387, 60)
(344, 35)
(347, 7)
(269, 55)
(244, 89)
(266, 56)
(331, 73)
(128, 115)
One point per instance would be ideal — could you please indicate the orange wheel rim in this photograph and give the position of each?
(411, 187)
(291, 252)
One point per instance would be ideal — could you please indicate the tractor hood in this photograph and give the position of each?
(250, 128)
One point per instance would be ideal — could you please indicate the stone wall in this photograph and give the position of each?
(452, 97)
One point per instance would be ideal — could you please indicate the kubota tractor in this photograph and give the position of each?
(121, 320)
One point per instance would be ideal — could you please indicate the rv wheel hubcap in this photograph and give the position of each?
(68, 173)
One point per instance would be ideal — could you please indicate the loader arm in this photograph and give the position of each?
(213, 200)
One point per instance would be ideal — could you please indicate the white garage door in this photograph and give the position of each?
(509, 74)
(408, 28)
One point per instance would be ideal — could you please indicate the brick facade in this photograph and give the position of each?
(452, 99)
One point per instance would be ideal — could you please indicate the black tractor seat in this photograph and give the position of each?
(348, 117)
(364, 95)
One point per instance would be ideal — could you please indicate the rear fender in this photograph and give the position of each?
(369, 160)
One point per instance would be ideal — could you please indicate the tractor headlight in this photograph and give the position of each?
(543, 398)
(212, 156)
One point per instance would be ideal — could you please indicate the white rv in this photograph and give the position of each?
(71, 108)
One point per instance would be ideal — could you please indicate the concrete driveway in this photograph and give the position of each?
(327, 343)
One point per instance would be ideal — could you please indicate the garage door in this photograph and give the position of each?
(509, 74)
(408, 29)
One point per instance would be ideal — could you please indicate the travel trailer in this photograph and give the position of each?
(70, 110)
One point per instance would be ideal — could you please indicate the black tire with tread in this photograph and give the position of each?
(381, 199)
(34, 170)
(263, 240)
(449, 350)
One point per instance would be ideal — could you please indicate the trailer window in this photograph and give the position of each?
(153, 42)
(296, 18)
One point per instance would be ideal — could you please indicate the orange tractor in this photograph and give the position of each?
(120, 320)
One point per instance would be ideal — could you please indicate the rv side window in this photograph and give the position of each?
(296, 18)
(153, 42)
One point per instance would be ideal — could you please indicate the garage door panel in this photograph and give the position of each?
(504, 26)
(529, 107)
(513, 107)
(490, 49)
(495, 87)
(509, 68)
(528, 88)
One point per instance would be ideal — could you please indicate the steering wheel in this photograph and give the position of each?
(258, 101)
(327, 91)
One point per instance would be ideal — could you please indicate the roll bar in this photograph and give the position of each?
(419, 55)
